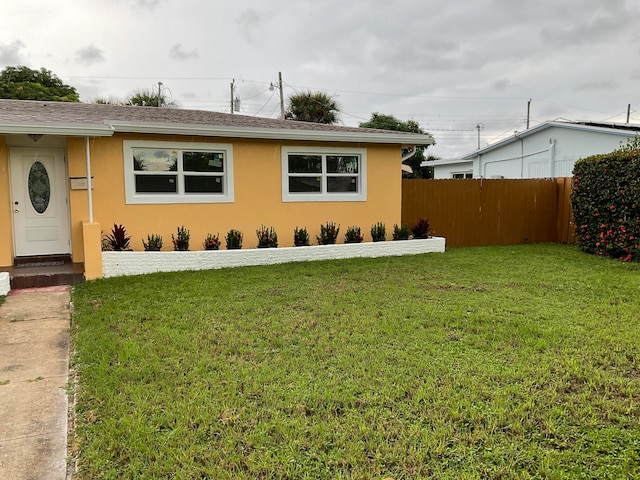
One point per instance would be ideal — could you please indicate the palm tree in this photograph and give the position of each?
(106, 101)
(149, 98)
(316, 107)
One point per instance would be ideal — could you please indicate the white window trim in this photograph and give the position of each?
(157, 198)
(359, 196)
(465, 173)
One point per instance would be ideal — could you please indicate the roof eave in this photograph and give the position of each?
(508, 140)
(438, 163)
(269, 133)
(111, 126)
(69, 130)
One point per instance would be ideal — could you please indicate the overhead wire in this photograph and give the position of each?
(446, 125)
(265, 104)
(356, 92)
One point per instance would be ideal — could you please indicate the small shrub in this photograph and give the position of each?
(153, 243)
(378, 232)
(353, 235)
(300, 237)
(421, 229)
(401, 233)
(328, 234)
(118, 240)
(234, 239)
(106, 245)
(267, 237)
(211, 242)
(181, 242)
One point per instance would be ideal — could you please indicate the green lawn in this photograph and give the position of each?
(479, 363)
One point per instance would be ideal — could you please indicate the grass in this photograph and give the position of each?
(479, 363)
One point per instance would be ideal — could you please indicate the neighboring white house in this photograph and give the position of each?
(546, 151)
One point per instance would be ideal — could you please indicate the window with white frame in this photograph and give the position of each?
(323, 174)
(462, 175)
(178, 172)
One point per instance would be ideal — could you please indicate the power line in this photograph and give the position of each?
(92, 77)
(355, 92)
(265, 104)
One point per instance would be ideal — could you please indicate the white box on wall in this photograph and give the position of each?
(79, 183)
(5, 286)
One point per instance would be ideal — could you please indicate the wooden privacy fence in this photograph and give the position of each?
(490, 211)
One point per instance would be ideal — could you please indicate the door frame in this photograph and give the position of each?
(64, 223)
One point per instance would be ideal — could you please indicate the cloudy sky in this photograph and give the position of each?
(448, 65)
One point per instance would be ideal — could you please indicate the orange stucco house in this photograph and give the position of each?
(69, 171)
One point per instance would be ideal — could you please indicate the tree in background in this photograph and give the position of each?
(427, 172)
(23, 83)
(316, 107)
(389, 122)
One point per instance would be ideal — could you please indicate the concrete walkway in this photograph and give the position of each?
(34, 363)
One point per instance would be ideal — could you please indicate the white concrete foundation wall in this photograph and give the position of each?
(115, 264)
(5, 286)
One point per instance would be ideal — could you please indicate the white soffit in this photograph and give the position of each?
(71, 130)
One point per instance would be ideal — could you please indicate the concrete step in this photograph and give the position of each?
(45, 271)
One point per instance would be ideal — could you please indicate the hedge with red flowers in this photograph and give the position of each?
(606, 202)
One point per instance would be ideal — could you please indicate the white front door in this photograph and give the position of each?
(39, 201)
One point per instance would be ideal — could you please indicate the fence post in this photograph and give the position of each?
(566, 226)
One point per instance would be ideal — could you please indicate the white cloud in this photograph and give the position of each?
(10, 54)
(146, 4)
(89, 55)
(179, 53)
(250, 23)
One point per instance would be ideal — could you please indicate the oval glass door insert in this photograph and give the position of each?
(39, 187)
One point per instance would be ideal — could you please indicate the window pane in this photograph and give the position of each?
(304, 184)
(193, 184)
(39, 187)
(203, 161)
(342, 184)
(155, 160)
(342, 163)
(156, 184)
(305, 164)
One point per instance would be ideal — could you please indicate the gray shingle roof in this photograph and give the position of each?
(123, 118)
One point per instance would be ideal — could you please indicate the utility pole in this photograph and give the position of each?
(159, 94)
(628, 112)
(232, 89)
(479, 127)
(528, 112)
(281, 96)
